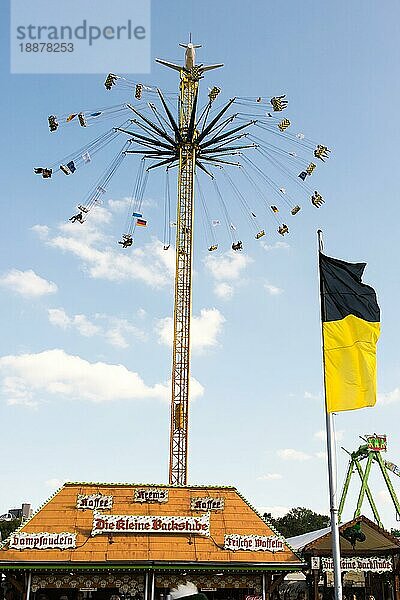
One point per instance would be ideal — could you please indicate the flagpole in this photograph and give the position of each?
(332, 473)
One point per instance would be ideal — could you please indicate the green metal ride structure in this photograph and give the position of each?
(369, 453)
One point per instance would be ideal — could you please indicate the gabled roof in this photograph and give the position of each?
(377, 540)
(60, 514)
(300, 541)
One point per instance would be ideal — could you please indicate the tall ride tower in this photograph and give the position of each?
(212, 142)
(187, 138)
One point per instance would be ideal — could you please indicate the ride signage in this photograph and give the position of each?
(136, 524)
(150, 495)
(266, 543)
(94, 502)
(43, 541)
(206, 504)
(315, 562)
(357, 563)
(377, 443)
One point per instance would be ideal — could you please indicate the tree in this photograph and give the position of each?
(7, 527)
(395, 532)
(298, 521)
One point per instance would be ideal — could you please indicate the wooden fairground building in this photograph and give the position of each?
(370, 561)
(136, 542)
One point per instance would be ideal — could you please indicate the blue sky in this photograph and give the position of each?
(84, 365)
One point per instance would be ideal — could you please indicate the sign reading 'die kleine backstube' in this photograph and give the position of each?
(94, 502)
(43, 541)
(357, 563)
(145, 495)
(206, 504)
(266, 543)
(136, 524)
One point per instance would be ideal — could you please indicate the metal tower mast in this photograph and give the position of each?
(187, 138)
(183, 289)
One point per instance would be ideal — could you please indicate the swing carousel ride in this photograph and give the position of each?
(245, 142)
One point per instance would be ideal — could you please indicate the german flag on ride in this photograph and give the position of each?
(350, 330)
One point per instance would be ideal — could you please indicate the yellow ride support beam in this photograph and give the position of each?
(183, 289)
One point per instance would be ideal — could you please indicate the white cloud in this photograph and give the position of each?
(322, 455)
(85, 327)
(273, 290)
(389, 397)
(59, 318)
(385, 497)
(228, 266)
(113, 329)
(17, 393)
(311, 396)
(223, 290)
(27, 377)
(275, 246)
(41, 230)
(226, 269)
(145, 264)
(204, 330)
(123, 203)
(270, 477)
(275, 511)
(291, 454)
(119, 204)
(117, 330)
(27, 283)
(102, 258)
(56, 483)
(165, 331)
(116, 338)
(99, 216)
(321, 435)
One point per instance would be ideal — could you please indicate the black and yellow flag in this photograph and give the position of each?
(350, 329)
